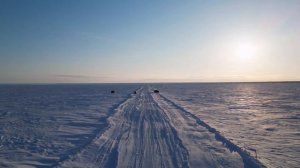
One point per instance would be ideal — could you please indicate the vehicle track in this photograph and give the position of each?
(149, 130)
(186, 119)
(139, 135)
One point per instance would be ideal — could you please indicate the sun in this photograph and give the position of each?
(245, 49)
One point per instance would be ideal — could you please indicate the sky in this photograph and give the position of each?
(104, 41)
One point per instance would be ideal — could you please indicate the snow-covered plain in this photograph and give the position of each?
(262, 118)
(185, 125)
(43, 125)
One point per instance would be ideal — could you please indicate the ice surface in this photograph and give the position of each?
(42, 125)
(185, 125)
(146, 131)
(262, 118)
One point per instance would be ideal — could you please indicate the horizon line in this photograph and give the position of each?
(173, 82)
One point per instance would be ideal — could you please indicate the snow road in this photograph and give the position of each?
(148, 130)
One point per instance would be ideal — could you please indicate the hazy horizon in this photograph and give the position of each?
(153, 82)
(92, 41)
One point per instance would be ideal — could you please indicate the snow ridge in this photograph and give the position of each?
(248, 160)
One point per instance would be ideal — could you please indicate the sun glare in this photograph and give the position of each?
(241, 48)
(245, 49)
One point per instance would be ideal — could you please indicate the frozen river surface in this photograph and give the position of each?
(185, 125)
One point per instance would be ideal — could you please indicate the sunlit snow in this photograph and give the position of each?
(184, 125)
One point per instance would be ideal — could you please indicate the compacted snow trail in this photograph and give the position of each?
(204, 150)
(139, 136)
(188, 125)
(148, 131)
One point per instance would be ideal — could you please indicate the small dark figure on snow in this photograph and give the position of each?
(112, 91)
(156, 91)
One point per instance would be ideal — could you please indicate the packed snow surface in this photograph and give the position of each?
(262, 118)
(184, 125)
(43, 125)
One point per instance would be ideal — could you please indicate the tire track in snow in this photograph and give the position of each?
(154, 136)
(165, 103)
(139, 135)
(72, 152)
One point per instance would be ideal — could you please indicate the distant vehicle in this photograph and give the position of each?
(156, 91)
(112, 91)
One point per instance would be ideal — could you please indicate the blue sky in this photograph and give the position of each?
(54, 41)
